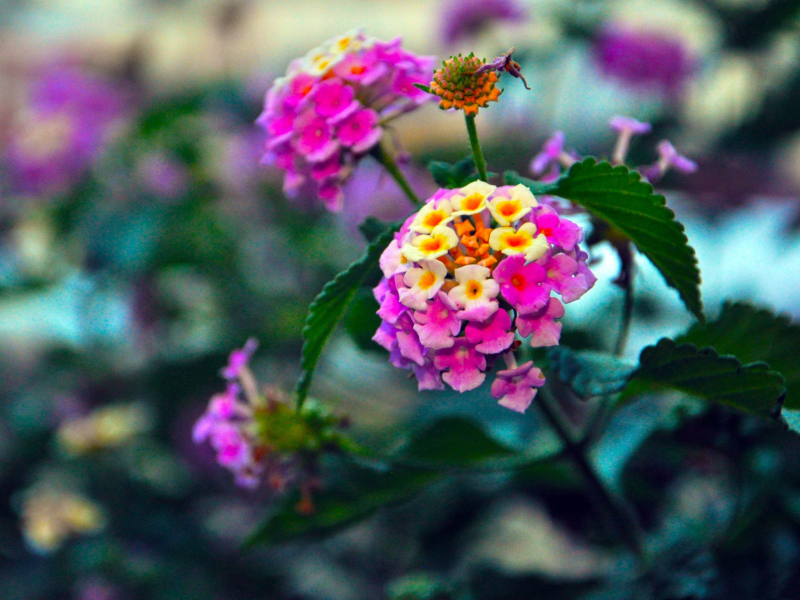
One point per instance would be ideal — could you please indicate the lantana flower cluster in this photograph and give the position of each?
(68, 119)
(332, 106)
(474, 269)
(258, 435)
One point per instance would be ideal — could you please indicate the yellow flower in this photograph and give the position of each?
(471, 199)
(437, 244)
(428, 218)
(522, 241)
(508, 210)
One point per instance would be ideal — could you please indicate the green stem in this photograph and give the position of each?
(480, 162)
(619, 514)
(387, 160)
(627, 314)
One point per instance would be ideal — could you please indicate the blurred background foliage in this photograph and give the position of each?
(141, 241)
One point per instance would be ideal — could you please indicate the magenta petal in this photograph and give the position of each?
(541, 326)
(492, 336)
(386, 336)
(438, 324)
(391, 309)
(465, 364)
(428, 376)
(515, 387)
(410, 346)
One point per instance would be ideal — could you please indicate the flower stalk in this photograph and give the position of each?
(475, 144)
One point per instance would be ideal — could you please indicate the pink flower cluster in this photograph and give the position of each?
(228, 422)
(472, 269)
(332, 106)
(67, 121)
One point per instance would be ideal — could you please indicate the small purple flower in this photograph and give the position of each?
(467, 19)
(428, 376)
(334, 100)
(408, 341)
(63, 129)
(315, 140)
(465, 365)
(515, 388)
(621, 124)
(520, 284)
(549, 155)
(626, 127)
(563, 276)
(239, 359)
(541, 326)
(493, 335)
(360, 131)
(668, 158)
(438, 325)
(644, 59)
(559, 232)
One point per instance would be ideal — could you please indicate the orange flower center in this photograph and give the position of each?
(474, 289)
(431, 245)
(472, 202)
(357, 69)
(433, 218)
(516, 240)
(518, 281)
(547, 231)
(508, 208)
(427, 280)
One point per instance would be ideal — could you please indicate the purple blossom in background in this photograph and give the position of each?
(332, 107)
(62, 129)
(668, 158)
(467, 19)
(644, 59)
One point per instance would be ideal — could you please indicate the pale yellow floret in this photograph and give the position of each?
(471, 199)
(522, 241)
(508, 210)
(424, 247)
(428, 218)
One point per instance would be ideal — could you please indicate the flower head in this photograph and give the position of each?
(515, 388)
(645, 60)
(481, 263)
(466, 19)
(330, 109)
(68, 120)
(459, 84)
(256, 433)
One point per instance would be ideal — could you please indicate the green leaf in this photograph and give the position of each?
(453, 176)
(454, 441)
(329, 306)
(589, 373)
(618, 196)
(537, 187)
(703, 373)
(363, 490)
(362, 320)
(422, 87)
(371, 228)
(755, 334)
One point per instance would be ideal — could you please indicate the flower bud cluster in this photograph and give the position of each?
(332, 105)
(472, 269)
(259, 435)
(460, 84)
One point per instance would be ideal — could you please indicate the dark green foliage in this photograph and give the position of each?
(453, 176)
(454, 441)
(329, 306)
(618, 196)
(589, 373)
(704, 373)
(755, 334)
(363, 491)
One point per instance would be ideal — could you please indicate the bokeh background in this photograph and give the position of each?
(141, 241)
